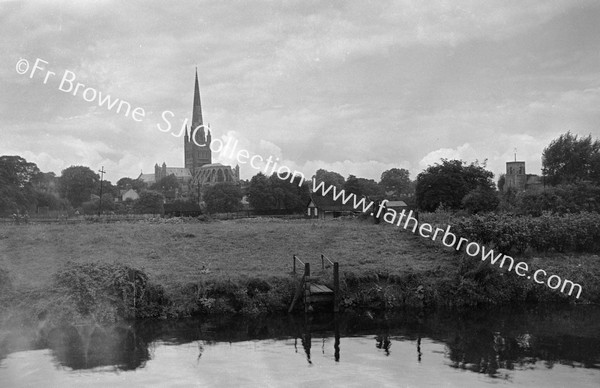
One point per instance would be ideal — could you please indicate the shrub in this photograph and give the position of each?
(482, 199)
(571, 232)
(109, 292)
(573, 198)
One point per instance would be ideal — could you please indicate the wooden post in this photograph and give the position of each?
(322, 261)
(294, 263)
(336, 287)
(307, 287)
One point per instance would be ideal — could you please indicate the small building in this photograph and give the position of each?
(325, 207)
(130, 194)
(398, 206)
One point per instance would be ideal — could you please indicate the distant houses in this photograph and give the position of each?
(325, 207)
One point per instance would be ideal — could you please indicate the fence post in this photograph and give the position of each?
(294, 263)
(307, 301)
(336, 287)
(322, 261)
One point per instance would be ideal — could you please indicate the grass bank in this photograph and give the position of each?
(108, 272)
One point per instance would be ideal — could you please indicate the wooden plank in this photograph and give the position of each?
(320, 289)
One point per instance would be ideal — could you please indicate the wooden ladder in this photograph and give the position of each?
(316, 293)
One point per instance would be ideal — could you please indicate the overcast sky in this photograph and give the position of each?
(354, 87)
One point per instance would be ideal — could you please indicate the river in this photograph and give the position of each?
(528, 347)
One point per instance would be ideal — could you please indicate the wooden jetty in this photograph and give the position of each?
(314, 293)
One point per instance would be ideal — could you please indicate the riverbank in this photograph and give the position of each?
(168, 269)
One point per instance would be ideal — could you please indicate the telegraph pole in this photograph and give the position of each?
(101, 171)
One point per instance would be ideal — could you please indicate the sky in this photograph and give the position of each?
(356, 87)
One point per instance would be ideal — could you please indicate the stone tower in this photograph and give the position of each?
(197, 151)
(515, 175)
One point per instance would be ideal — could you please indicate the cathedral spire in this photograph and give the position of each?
(197, 110)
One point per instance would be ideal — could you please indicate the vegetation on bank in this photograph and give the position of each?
(573, 232)
(103, 273)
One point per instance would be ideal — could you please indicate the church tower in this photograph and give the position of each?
(197, 151)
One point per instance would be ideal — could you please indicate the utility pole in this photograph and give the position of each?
(101, 171)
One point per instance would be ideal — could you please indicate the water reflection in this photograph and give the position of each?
(484, 342)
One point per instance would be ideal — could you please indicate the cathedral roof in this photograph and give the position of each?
(213, 165)
(148, 178)
(179, 171)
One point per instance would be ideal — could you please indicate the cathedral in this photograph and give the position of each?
(199, 171)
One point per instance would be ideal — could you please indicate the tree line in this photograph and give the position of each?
(571, 178)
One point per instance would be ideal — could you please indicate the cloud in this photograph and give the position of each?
(335, 85)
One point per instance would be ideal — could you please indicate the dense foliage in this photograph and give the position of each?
(569, 159)
(268, 194)
(94, 206)
(396, 182)
(448, 183)
(481, 199)
(166, 185)
(559, 199)
(17, 177)
(77, 183)
(222, 198)
(364, 187)
(150, 202)
(130, 183)
(570, 232)
(331, 178)
(109, 292)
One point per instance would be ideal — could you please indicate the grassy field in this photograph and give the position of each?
(180, 253)
(243, 266)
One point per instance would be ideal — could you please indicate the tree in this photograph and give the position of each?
(223, 197)
(130, 183)
(48, 200)
(481, 199)
(572, 198)
(17, 176)
(260, 195)
(370, 188)
(501, 182)
(107, 188)
(125, 183)
(44, 181)
(396, 181)
(166, 184)
(352, 185)
(569, 159)
(329, 178)
(149, 202)
(287, 195)
(77, 183)
(448, 183)
(93, 206)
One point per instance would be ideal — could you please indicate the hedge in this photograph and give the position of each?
(578, 232)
